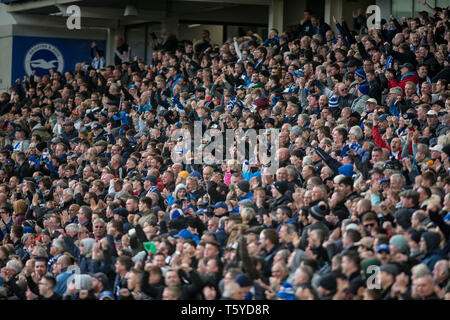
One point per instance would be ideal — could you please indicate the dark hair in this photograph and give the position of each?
(271, 235)
(352, 256)
(50, 279)
(286, 210)
(354, 235)
(347, 181)
(125, 261)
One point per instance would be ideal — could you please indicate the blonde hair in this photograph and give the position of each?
(20, 206)
(247, 214)
(234, 165)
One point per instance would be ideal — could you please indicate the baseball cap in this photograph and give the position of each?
(372, 100)
(152, 179)
(432, 113)
(383, 247)
(408, 65)
(383, 117)
(106, 295)
(390, 268)
(220, 204)
(184, 233)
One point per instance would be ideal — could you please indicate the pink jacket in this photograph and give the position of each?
(227, 178)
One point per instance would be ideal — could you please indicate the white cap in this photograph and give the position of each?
(372, 100)
(432, 113)
(437, 147)
(351, 226)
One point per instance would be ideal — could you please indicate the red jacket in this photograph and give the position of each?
(380, 143)
(393, 83)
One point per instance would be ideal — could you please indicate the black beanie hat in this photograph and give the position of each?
(318, 212)
(244, 185)
(403, 218)
(281, 186)
(328, 282)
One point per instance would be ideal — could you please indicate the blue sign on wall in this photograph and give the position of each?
(43, 54)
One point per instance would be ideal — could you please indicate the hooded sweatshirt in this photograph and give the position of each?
(433, 253)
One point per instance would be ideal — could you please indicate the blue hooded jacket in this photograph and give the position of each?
(433, 254)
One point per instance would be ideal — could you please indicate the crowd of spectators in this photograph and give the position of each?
(93, 206)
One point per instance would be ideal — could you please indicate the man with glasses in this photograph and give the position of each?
(344, 98)
(46, 290)
(370, 223)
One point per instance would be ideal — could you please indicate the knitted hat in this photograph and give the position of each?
(183, 174)
(346, 170)
(333, 103)
(364, 89)
(286, 292)
(244, 185)
(243, 280)
(318, 212)
(360, 73)
(400, 242)
(328, 282)
(281, 186)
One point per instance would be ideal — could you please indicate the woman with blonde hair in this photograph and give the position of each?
(19, 210)
(233, 166)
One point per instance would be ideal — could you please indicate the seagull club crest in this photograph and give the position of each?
(42, 57)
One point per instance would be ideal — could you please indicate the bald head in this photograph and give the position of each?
(440, 271)
(283, 154)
